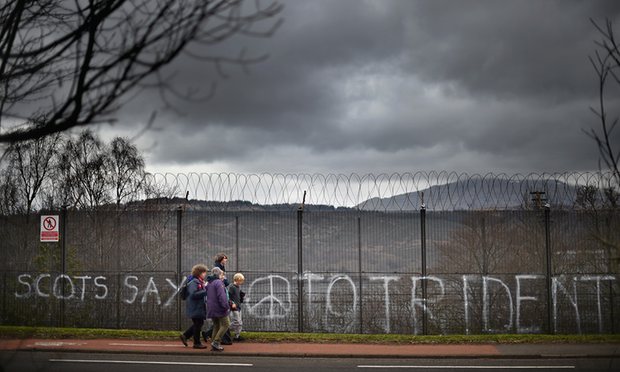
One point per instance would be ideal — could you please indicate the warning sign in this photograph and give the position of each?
(49, 229)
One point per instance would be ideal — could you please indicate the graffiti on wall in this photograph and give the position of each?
(272, 296)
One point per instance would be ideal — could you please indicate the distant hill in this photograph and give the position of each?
(236, 205)
(468, 194)
(478, 193)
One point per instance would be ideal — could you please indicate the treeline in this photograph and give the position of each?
(84, 172)
(79, 172)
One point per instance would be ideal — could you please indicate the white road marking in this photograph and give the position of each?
(149, 362)
(149, 345)
(56, 343)
(468, 367)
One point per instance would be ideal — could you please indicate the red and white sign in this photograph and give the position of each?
(49, 229)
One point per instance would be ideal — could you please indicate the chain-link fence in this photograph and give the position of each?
(348, 270)
(367, 272)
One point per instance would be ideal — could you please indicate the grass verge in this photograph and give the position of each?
(91, 333)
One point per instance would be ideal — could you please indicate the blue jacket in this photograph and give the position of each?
(195, 303)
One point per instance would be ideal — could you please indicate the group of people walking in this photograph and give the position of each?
(213, 297)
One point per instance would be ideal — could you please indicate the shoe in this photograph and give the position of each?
(216, 347)
(183, 339)
(226, 343)
(199, 346)
(238, 339)
(205, 337)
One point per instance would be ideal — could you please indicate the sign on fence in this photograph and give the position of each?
(49, 229)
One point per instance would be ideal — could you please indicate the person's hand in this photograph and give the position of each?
(234, 306)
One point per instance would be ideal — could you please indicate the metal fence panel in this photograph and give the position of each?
(349, 271)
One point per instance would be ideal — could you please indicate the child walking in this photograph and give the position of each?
(236, 298)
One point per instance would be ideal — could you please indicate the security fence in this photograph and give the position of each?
(532, 268)
(383, 192)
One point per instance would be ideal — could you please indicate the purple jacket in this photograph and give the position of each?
(217, 300)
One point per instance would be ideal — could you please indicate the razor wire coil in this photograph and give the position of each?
(384, 192)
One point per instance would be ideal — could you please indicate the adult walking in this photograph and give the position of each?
(218, 307)
(195, 306)
(221, 259)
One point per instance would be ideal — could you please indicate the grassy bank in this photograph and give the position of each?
(88, 333)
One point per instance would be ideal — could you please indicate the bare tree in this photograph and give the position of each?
(9, 194)
(126, 170)
(494, 244)
(604, 209)
(598, 210)
(156, 189)
(606, 63)
(83, 168)
(482, 244)
(73, 63)
(31, 162)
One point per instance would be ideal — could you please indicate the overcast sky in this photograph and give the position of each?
(389, 86)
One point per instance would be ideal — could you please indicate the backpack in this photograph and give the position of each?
(184, 291)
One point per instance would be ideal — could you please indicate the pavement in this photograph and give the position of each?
(322, 350)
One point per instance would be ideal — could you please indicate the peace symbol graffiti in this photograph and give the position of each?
(278, 308)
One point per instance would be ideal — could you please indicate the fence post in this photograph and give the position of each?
(549, 271)
(5, 318)
(423, 253)
(611, 307)
(359, 268)
(300, 267)
(179, 259)
(63, 255)
(237, 259)
(118, 271)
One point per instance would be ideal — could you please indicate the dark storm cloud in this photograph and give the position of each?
(509, 49)
(384, 86)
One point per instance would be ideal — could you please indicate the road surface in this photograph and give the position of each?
(24, 361)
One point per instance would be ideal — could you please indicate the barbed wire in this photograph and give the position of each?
(386, 192)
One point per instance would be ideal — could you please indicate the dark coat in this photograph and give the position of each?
(195, 302)
(217, 299)
(234, 293)
(219, 264)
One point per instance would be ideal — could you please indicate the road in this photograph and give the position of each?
(24, 361)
